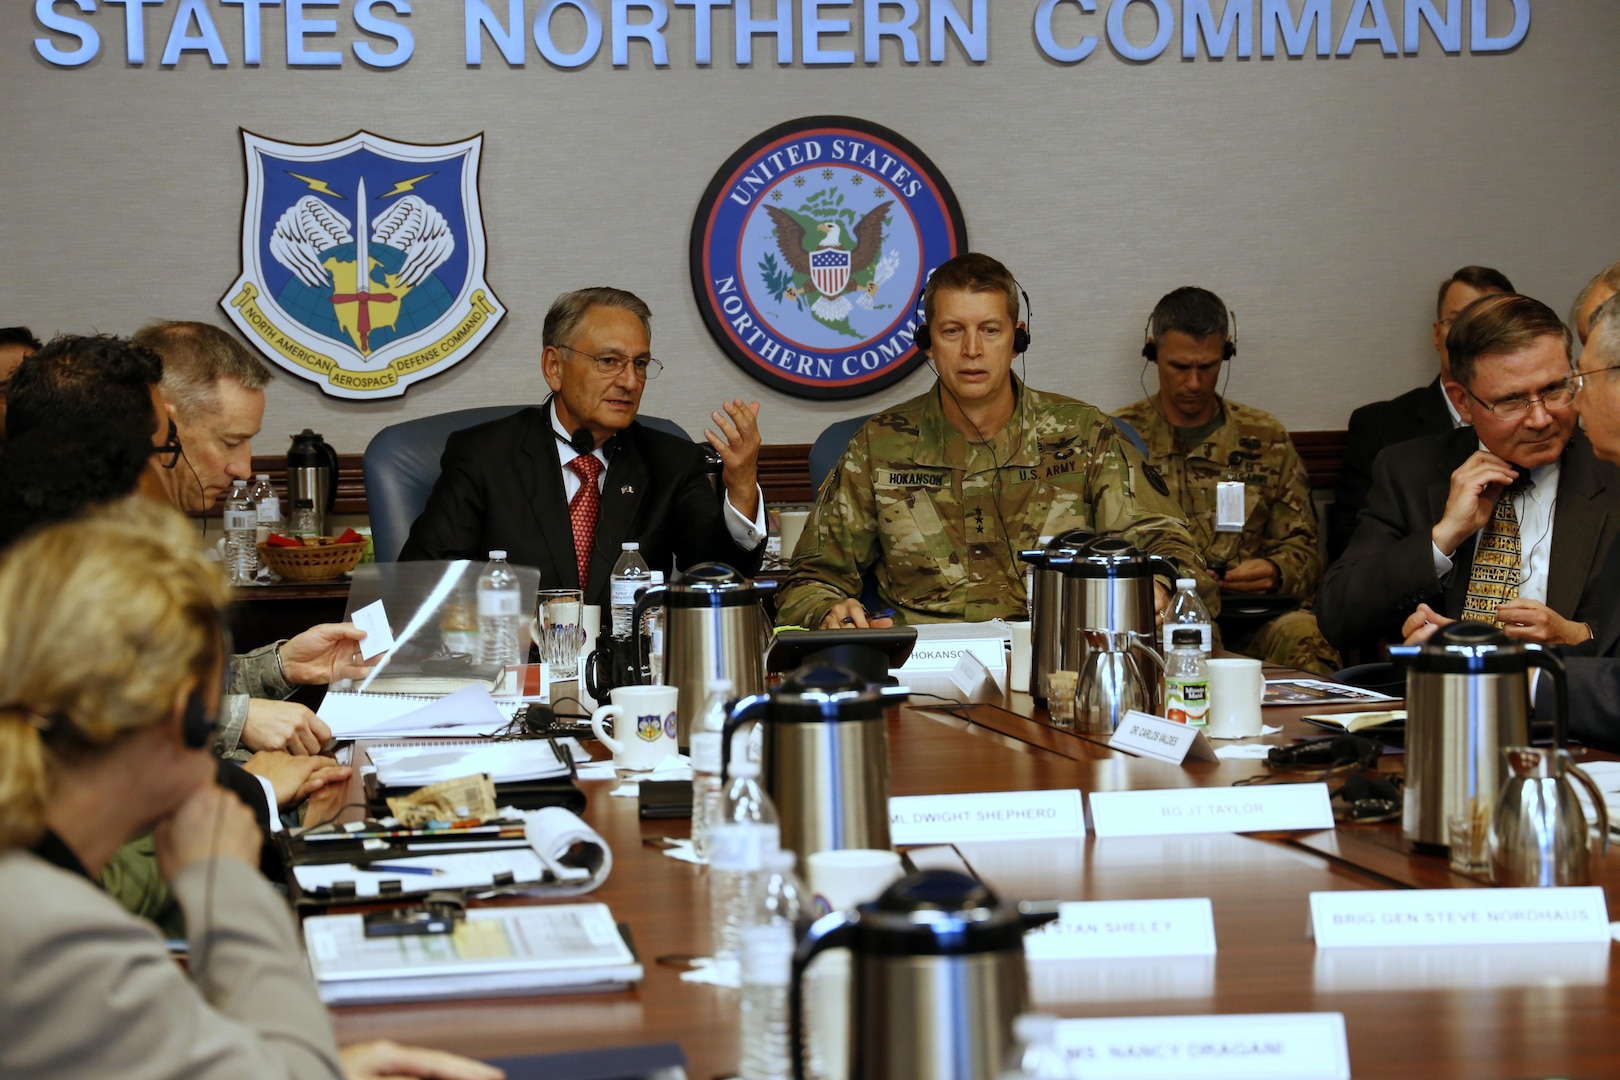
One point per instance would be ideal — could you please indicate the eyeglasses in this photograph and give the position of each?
(645, 366)
(1577, 379)
(168, 454)
(1512, 408)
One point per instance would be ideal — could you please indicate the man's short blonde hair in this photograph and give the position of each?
(196, 355)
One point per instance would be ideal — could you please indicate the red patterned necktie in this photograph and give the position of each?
(582, 511)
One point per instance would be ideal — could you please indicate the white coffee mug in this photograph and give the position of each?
(644, 719)
(1018, 674)
(841, 879)
(1237, 685)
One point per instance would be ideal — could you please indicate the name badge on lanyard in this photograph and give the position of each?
(1229, 511)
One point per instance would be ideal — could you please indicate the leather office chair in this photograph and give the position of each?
(401, 464)
(831, 444)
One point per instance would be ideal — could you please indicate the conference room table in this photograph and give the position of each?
(1476, 1012)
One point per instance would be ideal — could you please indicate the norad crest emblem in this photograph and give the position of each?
(363, 261)
(810, 249)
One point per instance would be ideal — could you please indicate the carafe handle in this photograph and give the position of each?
(650, 597)
(1597, 798)
(746, 710)
(331, 455)
(834, 931)
(1549, 662)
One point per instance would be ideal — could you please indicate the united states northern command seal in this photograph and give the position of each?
(363, 260)
(810, 248)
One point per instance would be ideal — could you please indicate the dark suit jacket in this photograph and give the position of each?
(500, 486)
(1388, 568)
(1593, 668)
(1374, 428)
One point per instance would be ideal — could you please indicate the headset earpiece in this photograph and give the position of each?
(1020, 341)
(923, 337)
(1228, 350)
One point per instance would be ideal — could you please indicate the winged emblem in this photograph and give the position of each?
(309, 237)
(847, 259)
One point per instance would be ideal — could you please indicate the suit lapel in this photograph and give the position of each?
(622, 492)
(540, 471)
(1577, 526)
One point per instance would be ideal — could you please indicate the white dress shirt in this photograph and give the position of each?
(1534, 507)
(747, 534)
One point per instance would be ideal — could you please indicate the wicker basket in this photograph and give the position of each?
(312, 563)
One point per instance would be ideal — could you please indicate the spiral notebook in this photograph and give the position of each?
(468, 711)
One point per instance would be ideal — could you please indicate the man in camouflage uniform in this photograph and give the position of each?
(1198, 440)
(936, 495)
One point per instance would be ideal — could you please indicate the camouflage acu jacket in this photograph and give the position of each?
(938, 523)
(1252, 446)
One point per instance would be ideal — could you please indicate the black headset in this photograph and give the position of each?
(1150, 348)
(1021, 339)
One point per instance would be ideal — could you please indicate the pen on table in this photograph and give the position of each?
(396, 868)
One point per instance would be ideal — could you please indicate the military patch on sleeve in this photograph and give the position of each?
(1155, 478)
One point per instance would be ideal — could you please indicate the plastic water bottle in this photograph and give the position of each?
(241, 532)
(268, 508)
(1186, 679)
(1187, 612)
(500, 612)
(629, 575)
(746, 832)
(708, 789)
(1035, 1054)
(767, 967)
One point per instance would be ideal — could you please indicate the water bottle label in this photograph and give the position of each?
(1186, 701)
(767, 954)
(706, 751)
(269, 513)
(241, 519)
(624, 591)
(1203, 629)
(736, 847)
(499, 602)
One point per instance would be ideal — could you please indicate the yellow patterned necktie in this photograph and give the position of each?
(1495, 577)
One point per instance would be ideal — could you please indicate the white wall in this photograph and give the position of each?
(1322, 198)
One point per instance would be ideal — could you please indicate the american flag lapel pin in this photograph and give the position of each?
(627, 489)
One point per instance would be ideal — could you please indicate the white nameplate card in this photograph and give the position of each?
(1155, 737)
(971, 676)
(1177, 811)
(1459, 917)
(1108, 929)
(374, 621)
(940, 645)
(1298, 1046)
(995, 815)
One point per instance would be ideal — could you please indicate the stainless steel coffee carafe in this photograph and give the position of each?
(825, 758)
(1109, 586)
(714, 628)
(1539, 834)
(1113, 683)
(1046, 604)
(1467, 699)
(938, 978)
(312, 470)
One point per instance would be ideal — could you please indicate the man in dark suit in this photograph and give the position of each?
(1416, 413)
(562, 486)
(1594, 666)
(1414, 552)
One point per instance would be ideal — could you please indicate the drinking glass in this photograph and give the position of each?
(557, 616)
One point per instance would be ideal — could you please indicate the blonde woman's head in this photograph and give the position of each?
(107, 619)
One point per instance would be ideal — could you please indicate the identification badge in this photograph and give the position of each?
(1229, 511)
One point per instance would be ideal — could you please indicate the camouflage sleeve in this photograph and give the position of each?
(838, 543)
(1131, 500)
(1290, 532)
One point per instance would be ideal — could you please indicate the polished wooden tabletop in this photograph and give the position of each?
(1498, 1012)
